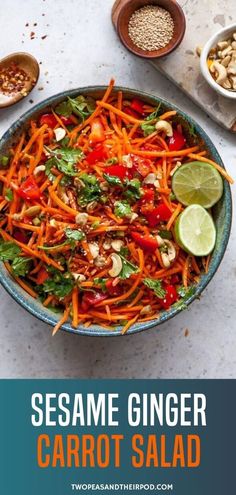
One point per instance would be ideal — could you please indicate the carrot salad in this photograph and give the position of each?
(87, 211)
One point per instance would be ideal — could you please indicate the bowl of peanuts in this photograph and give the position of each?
(218, 61)
(151, 28)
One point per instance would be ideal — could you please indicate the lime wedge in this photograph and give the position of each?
(197, 183)
(195, 231)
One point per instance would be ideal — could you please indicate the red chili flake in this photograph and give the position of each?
(32, 35)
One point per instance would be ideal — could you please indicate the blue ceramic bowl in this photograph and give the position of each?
(222, 214)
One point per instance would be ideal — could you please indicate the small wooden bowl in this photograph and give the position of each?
(129, 7)
(29, 64)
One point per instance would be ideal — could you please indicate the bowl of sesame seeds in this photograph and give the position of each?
(151, 28)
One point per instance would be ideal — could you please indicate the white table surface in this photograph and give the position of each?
(82, 48)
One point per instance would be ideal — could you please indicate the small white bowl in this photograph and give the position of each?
(221, 35)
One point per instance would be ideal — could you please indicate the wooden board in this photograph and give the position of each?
(204, 18)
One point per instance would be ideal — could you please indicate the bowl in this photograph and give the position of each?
(222, 213)
(221, 35)
(30, 66)
(130, 7)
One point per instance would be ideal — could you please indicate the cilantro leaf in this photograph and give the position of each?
(66, 181)
(165, 234)
(133, 189)
(9, 194)
(65, 167)
(75, 235)
(91, 190)
(185, 293)
(124, 251)
(156, 286)
(21, 265)
(154, 115)
(113, 180)
(65, 142)
(192, 131)
(64, 160)
(128, 268)
(64, 108)
(48, 165)
(122, 209)
(60, 285)
(8, 250)
(81, 106)
(149, 125)
(147, 129)
(70, 155)
(101, 282)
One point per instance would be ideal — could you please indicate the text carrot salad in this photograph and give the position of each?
(88, 212)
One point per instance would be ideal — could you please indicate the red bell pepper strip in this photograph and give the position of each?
(176, 142)
(170, 297)
(146, 242)
(29, 189)
(97, 131)
(148, 195)
(49, 119)
(138, 106)
(21, 236)
(119, 171)
(92, 299)
(111, 289)
(99, 154)
(66, 120)
(160, 214)
(131, 112)
(42, 276)
(147, 200)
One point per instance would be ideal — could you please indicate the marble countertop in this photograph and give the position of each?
(81, 48)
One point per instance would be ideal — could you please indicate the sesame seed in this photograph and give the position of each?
(151, 27)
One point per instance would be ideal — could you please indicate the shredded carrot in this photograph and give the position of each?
(129, 324)
(60, 203)
(167, 115)
(61, 321)
(75, 307)
(159, 154)
(118, 112)
(33, 138)
(48, 300)
(186, 272)
(174, 216)
(26, 287)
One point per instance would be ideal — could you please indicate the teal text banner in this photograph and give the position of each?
(117, 436)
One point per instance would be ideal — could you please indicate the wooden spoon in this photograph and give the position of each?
(30, 66)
